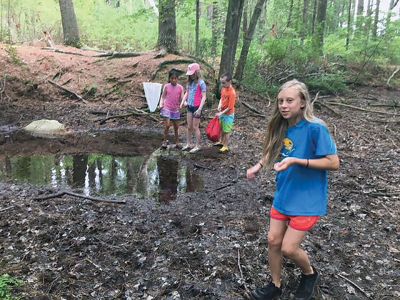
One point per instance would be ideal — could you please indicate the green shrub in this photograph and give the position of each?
(6, 284)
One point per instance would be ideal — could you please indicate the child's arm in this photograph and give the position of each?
(329, 162)
(163, 95)
(184, 97)
(203, 100)
(253, 171)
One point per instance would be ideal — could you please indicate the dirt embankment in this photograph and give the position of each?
(203, 245)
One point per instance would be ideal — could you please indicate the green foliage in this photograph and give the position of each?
(6, 284)
(13, 55)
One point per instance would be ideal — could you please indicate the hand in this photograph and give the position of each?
(219, 108)
(218, 114)
(253, 171)
(183, 104)
(161, 105)
(284, 164)
(198, 112)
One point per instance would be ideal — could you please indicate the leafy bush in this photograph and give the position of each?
(6, 284)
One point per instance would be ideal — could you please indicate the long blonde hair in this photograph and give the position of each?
(278, 126)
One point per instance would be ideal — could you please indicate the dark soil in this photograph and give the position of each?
(204, 245)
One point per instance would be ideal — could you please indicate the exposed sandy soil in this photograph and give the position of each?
(203, 245)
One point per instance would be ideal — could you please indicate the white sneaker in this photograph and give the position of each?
(195, 149)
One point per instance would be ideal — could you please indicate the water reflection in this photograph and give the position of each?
(101, 174)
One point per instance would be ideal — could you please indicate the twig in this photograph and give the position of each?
(384, 121)
(355, 285)
(315, 98)
(362, 109)
(68, 91)
(328, 107)
(241, 273)
(7, 208)
(59, 194)
(391, 76)
(253, 109)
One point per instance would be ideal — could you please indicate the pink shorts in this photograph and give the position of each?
(302, 223)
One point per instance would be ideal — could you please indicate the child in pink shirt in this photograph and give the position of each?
(169, 105)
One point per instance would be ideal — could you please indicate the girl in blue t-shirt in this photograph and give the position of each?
(300, 149)
(194, 99)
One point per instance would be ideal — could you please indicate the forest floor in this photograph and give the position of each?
(210, 244)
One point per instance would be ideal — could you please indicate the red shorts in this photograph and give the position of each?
(302, 223)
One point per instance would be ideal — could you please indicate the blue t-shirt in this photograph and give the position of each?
(303, 191)
(192, 89)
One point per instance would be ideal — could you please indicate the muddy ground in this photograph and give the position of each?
(204, 245)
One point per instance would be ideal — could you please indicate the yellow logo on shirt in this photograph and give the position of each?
(288, 144)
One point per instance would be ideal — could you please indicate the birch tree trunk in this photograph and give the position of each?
(69, 23)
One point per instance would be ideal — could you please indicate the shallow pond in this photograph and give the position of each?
(102, 163)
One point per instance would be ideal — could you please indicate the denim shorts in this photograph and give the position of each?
(192, 109)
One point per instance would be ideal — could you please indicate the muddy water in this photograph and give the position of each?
(117, 163)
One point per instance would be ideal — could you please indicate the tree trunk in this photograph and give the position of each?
(248, 37)
(215, 33)
(245, 23)
(305, 20)
(360, 15)
(318, 38)
(289, 20)
(314, 17)
(348, 25)
(389, 15)
(69, 23)
(231, 35)
(197, 27)
(167, 26)
(376, 19)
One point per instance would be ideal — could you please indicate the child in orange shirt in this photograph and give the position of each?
(226, 108)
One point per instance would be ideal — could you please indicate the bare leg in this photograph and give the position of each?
(196, 123)
(189, 131)
(166, 129)
(176, 127)
(276, 234)
(291, 249)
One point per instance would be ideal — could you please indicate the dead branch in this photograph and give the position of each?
(355, 285)
(391, 76)
(241, 273)
(315, 98)
(137, 112)
(7, 208)
(124, 55)
(62, 193)
(147, 114)
(328, 107)
(75, 95)
(362, 109)
(63, 52)
(253, 109)
(104, 120)
(384, 121)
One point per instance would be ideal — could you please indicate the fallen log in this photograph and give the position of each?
(362, 109)
(62, 193)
